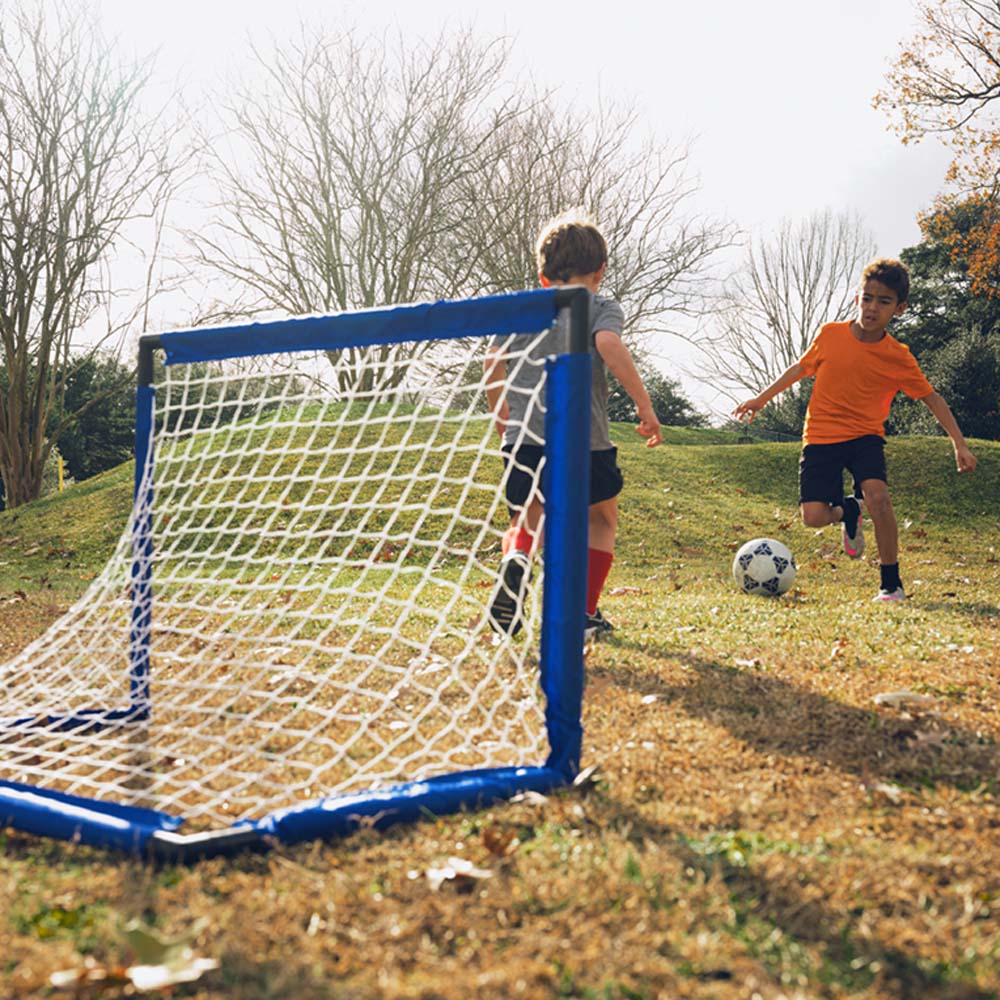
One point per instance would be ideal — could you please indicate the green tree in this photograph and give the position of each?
(952, 326)
(101, 392)
(966, 372)
(673, 408)
(943, 304)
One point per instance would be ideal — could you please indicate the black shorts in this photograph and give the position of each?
(523, 479)
(821, 467)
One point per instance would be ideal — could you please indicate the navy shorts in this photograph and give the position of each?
(523, 478)
(821, 467)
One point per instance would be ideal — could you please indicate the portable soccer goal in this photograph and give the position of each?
(292, 637)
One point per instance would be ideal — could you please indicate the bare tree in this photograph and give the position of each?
(371, 171)
(543, 161)
(773, 306)
(77, 166)
(946, 82)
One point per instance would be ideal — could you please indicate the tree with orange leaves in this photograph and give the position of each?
(946, 83)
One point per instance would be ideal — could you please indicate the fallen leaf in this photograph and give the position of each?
(460, 871)
(500, 842)
(164, 961)
(152, 948)
(888, 793)
(905, 699)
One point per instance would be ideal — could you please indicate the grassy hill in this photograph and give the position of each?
(702, 489)
(754, 823)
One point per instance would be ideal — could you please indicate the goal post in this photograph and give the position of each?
(290, 640)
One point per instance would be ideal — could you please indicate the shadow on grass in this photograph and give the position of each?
(775, 716)
(972, 609)
(850, 960)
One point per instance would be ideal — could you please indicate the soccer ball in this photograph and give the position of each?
(764, 566)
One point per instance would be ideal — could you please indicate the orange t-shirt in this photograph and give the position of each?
(855, 384)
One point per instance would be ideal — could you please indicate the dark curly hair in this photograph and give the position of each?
(570, 248)
(890, 272)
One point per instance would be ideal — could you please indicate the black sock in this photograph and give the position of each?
(852, 510)
(890, 576)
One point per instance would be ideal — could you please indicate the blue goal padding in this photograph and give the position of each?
(513, 312)
(50, 813)
(447, 793)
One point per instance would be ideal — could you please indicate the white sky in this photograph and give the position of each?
(773, 95)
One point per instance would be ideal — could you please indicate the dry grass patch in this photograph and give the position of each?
(755, 824)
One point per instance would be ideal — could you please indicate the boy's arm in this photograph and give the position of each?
(495, 370)
(618, 358)
(751, 407)
(964, 458)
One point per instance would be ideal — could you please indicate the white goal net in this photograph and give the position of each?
(307, 615)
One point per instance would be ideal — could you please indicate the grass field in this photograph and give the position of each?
(752, 823)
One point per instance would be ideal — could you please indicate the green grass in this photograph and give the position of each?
(755, 823)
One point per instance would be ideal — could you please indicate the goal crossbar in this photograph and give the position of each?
(99, 821)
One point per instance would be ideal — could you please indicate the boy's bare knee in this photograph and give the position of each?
(878, 503)
(815, 517)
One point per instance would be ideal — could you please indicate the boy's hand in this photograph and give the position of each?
(500, 419)
(964, 459)
(649, 428)
(749, 409)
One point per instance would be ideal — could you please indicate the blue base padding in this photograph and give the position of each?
(136, 830)
(73, 817)
(86, 717)
(341, 814)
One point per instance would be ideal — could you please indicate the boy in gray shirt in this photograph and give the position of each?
(568, 252)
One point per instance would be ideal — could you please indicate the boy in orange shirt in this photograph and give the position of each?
(859, 368)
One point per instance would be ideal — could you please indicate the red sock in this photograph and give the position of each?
(517, 538)
(598, 567)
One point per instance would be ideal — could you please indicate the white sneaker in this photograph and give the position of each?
(890, 595)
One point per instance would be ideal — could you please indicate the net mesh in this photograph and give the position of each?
(326, 536)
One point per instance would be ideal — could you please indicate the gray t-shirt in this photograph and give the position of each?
(526, 354)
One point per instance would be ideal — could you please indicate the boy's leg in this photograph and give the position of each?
(821, 494)
(524, 534)
(525, 504)
(883, 517)
(606, 482)
(820, 513)
(821, 485)
(603, 525)
(867, 465)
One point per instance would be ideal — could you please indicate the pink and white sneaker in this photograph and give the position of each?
(854, 537)
(890, 595)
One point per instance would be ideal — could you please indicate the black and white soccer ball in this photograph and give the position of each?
(764, 566)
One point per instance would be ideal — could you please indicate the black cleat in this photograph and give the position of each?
(507, 602)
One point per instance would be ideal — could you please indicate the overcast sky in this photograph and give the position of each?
(774, 95)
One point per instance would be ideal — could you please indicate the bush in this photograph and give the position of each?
(672, 407)
(966, 372)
